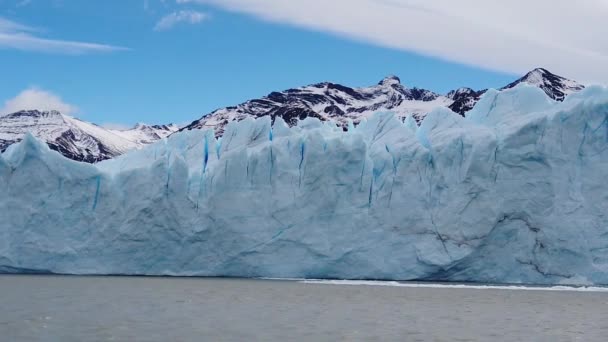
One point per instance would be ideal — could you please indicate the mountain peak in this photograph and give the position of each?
(36, 112)
(538, 75)
(540, 70)
(556, 87)
(390, 80)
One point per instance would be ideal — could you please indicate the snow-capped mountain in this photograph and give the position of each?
(330, 101)
(83, 141)
(143, 134)
(556, 87)
(464, 99)
(74, 138)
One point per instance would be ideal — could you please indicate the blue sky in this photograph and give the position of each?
(120, 62)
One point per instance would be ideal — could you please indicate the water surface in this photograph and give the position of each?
(56, 308)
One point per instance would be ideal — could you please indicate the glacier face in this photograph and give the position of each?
(515, 192)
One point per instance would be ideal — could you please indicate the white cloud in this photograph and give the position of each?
(170, 20)
(17, 36)
(34, 98)
(512, 36)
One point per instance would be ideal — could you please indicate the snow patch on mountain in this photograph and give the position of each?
(330, 102)
(334, 102)
(74, 138)
(556, 87)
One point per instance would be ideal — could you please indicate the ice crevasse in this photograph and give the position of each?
(516, 192)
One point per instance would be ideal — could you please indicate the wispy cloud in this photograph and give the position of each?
(9, 26)
(23, 3)
(185, 16)
(511, 36)
(17, 36)
(34, 98)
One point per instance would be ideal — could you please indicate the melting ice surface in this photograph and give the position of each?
(514, 193)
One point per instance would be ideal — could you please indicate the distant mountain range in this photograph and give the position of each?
(87, 142)
(330, 101)
(76, 139)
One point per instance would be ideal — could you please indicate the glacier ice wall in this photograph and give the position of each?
(516, 192)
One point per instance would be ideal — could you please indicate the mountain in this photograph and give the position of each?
(87, 142)
(556, 87)
(74, 138)
(330, 101)
(516, 192)
(464, 99)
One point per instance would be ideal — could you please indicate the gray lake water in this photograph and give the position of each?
(55, 308)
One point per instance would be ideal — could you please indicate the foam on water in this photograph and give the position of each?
(455, 286)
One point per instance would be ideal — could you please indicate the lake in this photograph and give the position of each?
(63, 308)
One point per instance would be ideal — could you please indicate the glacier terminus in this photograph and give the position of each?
(514, 192)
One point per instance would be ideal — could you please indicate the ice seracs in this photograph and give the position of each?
(513, 193)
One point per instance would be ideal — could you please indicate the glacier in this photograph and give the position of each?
(515, 192)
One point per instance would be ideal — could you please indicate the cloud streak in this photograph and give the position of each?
(510, 36)
(23, 3)
(17, 36)
(184, 16)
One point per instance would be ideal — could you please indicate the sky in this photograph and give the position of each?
(119, 62)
